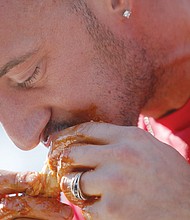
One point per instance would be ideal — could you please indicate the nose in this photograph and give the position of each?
(24, 121)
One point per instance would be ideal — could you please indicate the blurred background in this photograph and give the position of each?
(12, 158)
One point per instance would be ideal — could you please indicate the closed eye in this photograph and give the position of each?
(28, 83)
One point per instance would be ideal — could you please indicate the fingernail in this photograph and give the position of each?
(68, 213)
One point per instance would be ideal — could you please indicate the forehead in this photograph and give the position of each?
(20, 26)
(18, 17)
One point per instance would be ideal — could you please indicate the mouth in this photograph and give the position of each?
(51, 129)
(45, 138)
(47, 134)
(47, 142)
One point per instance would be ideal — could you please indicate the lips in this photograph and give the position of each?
(47, 141)
(51, 131)
(45, 138)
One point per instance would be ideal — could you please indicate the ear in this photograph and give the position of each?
(120, 6)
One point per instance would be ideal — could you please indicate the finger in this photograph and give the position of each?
(90, 156)
(88, 185)
(24, 219)
(31, 183)
(92, 133)
(15, 182)
(34, 207)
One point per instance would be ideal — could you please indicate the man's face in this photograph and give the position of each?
(64, 68)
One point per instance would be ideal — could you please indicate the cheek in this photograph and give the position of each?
(76, 82)
(71, 84)
(70, 93)
(85, 96)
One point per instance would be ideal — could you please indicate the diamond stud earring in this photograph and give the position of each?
(127, 14)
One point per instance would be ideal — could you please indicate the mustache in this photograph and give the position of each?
(54, 126)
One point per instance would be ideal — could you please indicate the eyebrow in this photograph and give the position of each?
(15, 62)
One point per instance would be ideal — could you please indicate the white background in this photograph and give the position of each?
(12, 158)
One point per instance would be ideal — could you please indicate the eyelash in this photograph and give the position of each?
(31, 80)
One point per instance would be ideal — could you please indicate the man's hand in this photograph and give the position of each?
(136, 176)
(13, 207)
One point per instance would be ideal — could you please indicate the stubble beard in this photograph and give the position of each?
(125, 61)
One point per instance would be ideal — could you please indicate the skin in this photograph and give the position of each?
(127, 177)
(93, 64)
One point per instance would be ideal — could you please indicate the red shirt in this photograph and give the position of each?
(173, 129)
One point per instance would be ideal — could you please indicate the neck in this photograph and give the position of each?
(173, 87)
(173, 92)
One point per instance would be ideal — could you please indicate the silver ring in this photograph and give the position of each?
(75, 187)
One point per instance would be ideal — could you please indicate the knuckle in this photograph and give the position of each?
(86, 128)
(125, 153)
(114, 179)
(120, 152)
(111, 208)
(117, 180)
(138, 132)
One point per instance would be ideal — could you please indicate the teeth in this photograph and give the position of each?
(47, 142)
